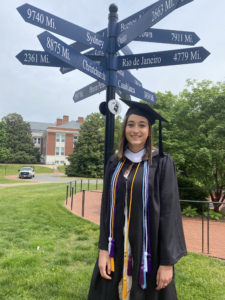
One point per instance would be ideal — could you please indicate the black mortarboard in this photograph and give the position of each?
(143, 109)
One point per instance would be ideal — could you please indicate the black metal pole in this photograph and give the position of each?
(83, 199)
(72, 200)
(208, 230)
(202, 227)
(111, 90)
(67, 188)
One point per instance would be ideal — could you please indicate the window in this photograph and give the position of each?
(75, 138)
(37, 141)
(59, 151)
(60, 138)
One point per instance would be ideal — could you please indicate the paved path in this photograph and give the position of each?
(55, 177)
(192, 227)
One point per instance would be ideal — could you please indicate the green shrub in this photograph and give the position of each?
(189, 211)
(214, 215)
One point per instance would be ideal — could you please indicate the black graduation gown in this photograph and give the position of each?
(166, 231)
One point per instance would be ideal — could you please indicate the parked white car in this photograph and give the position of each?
(26, 172)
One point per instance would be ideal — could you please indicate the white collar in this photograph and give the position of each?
(135, 157)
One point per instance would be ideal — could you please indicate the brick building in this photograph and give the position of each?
(56, 140)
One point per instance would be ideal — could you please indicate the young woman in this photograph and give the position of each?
(141, 234)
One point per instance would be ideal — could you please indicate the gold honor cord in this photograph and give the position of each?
(127, 238)
(114, 201)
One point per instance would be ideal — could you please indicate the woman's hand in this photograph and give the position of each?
(104, 264)
(164, 277)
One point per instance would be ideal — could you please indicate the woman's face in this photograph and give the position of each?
(136, 132)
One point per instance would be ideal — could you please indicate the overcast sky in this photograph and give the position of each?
(44, 94)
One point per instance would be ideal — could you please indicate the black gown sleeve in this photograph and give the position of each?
(171, 236)
(105, 206)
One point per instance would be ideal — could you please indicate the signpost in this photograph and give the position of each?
(41, 18)
(168, 37)
(39, 58)
(105, 63)
(163, 58)
(69, 55)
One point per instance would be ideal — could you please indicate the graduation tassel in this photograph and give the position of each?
(112, 248)
(145, 262)
(141, 275)
(149, 259)
(160, 139)
(112, 264)
(124, 288)
(129, 267)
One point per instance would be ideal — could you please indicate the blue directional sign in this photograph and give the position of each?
(163, 58)
(39, 58)
(43, 19)
(64, 52)
(153, 15)
(132, 20)
(127, 86)
(97, 87)
(168, 37)
(89, 90)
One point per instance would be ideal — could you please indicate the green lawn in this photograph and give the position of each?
(48, 253)
(12, 169)
(61, 168)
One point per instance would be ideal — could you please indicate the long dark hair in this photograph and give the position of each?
(123, 143)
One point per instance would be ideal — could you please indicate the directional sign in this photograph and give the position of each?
(168, 37)
(126, 74)
(130, 88)
(131, 20)
(80, 47)
(97, 87)
(39, 58)
(153, 15)
(72, 57)
(43, 19)
(89, 90)
(163, 58)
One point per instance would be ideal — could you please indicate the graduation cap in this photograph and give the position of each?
(143, 109)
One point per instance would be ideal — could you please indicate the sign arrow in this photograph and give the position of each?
(39, 58)
(43, 19)
(89, 90)
(70, 56)
(153, 15)
(163, 58)
(125, 85)
(131, 20)
(168, 37)
(97, 87)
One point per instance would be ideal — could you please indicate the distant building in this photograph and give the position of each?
(56, 140)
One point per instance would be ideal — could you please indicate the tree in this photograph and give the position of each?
(195, 134)
(19, 139)
(88, 156)
(117, 131)
(4, 152)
